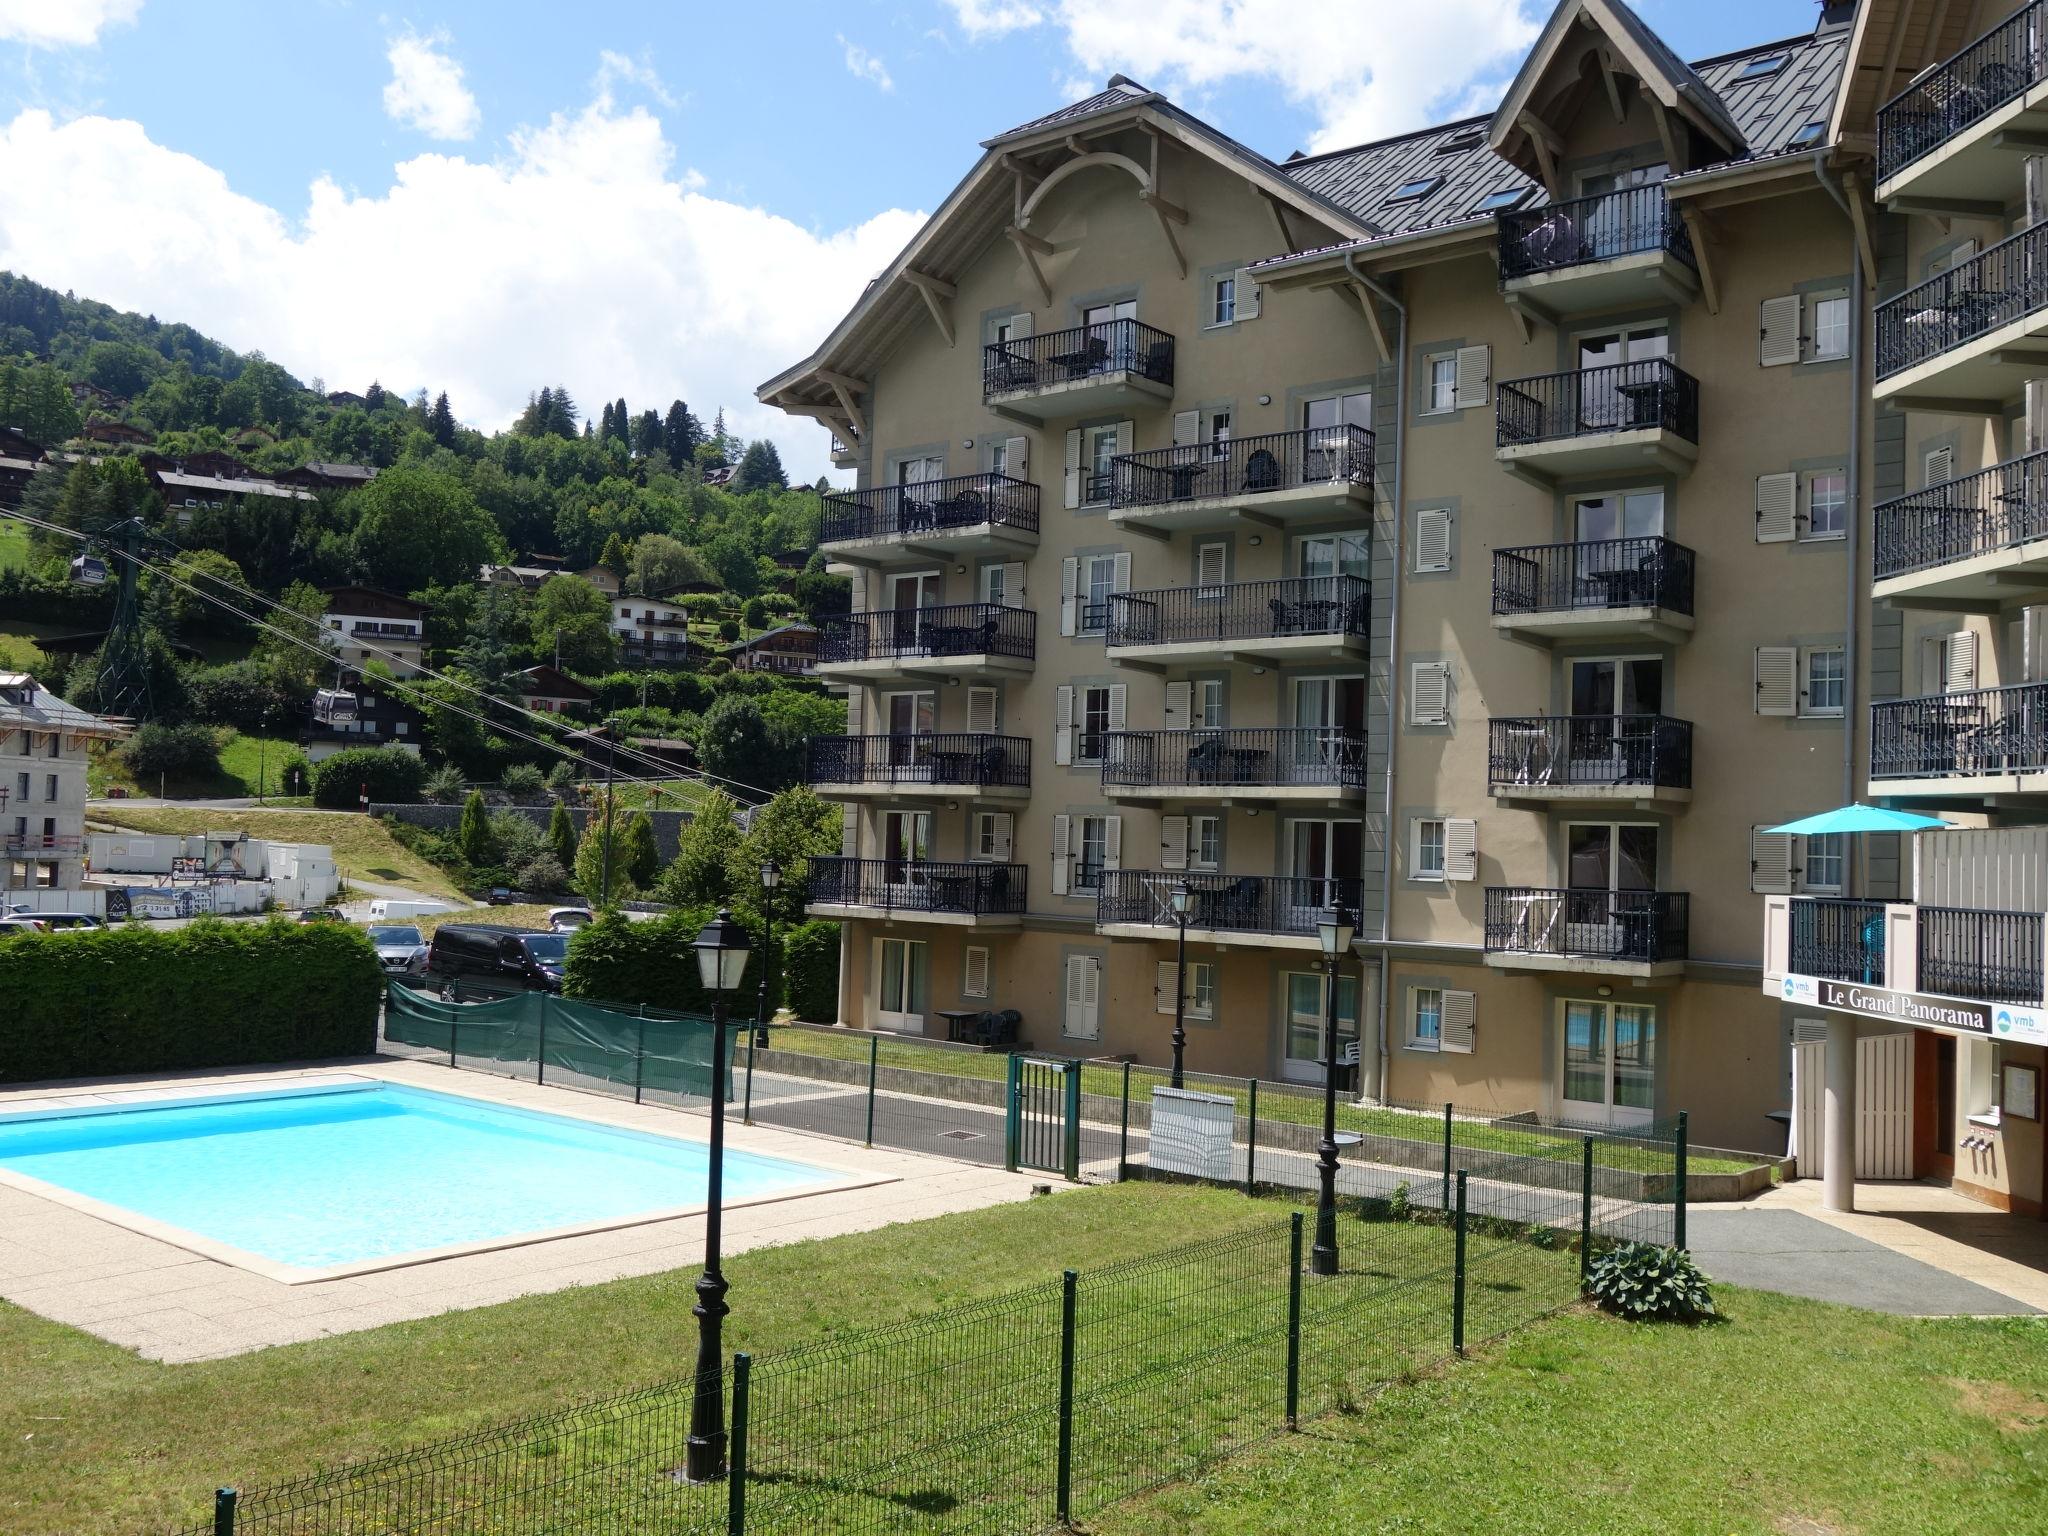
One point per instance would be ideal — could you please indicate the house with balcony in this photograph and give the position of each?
(654, 632)
(43, 757)
(1459, 528)
(376, 717)
(364, 624)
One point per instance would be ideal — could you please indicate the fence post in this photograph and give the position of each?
(1063, 1485)
(1586, 1216)
(1010, 1114)
(224, 1511)
(454, 1027)
(747, 1109)
(1447, 1158)
(736, 1447)
(640, 1058)
(1251, 1150)
(540, 1075)
(1071, 1158)
(1458, 1282)
(1678, 1214)
(1294, 1320)
(874, 1063)
(1123, 1131)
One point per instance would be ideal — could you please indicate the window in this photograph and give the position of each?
(49, 786)
(999, 458)
(1827, 505)
(1414, 191)
(1095, 724)
(1607, 1061)
(1829, 337)
(1208, 710)
(995, 583)
(1093, 850)
(1443, 382)
(992, 835)
(1219, 435)
(1098, 581)
(1205, 850)
(1425, 1018)
(1101, 442)
(1081, 1019)
(900, 985)
(1807, 136)
(1822, 685)
(1307, 1013)
(1201, 989)
(1463, 139)
(1224, 308)
(975, 982)
(1429, 693)
(1757, 69)
(1826, 862)
(1432, 539)
(1427, 862)
(1501, 202)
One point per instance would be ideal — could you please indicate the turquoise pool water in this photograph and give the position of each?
(324, 1178)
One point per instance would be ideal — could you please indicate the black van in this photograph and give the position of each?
(513, 959)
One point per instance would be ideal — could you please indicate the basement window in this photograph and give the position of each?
(1415, 191)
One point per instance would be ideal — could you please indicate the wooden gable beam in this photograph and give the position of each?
(1612, 81)
(1030, 248)
(1279, 212)
(1859, 215)
(824, 415)
(1547, 147)
(935, 294)
(1667, 134)
(1702, 234)
(1370, 306)
(844, 389)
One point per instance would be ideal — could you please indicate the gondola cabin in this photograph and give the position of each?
(89, 570)
(334, 706)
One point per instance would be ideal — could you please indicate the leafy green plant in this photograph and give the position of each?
(391, 775)
(176, 751)
(445, 785)
(1650, 1284)
(524, 783)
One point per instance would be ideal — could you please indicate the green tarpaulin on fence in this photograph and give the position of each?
(664, 1053)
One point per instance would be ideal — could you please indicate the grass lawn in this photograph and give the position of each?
(249, 765)
(14, 547)
(363, 849)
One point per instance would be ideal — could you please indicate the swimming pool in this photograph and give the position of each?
(315, 1182)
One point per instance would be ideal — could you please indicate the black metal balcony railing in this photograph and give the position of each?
(1947, 99)
(1084, 352)
(1959, 519)
(952, 629)
(1606, 573)
(918, 885)
(1841, 940)
(1993, 957)
(1275, 904)
(1235, 759)
(1244, 466)
(1241, 610)
(972, 761)
(1584, 402)
(1589, 229)
(1944, 735)
(1652, 751)
(1643, 926)
(1992, 289)
(931, 506)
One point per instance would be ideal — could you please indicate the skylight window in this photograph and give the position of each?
(1414, 191)
(1464, 138)
(1756, 69)
(1500, 202)
(1808, 136)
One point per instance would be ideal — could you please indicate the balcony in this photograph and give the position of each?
(1605, 589)
(1635, 760)
(1288, 763)
(1595, 253)
(950, 639)
(1952, 139)
(1269, 479)
(640, 653)
(950, 765)
(1604, 933)
(918, 891)
(1114, 365)
(1310, 618)
(1599, 421)
(967, 514)
(1975, 953)
(1973, 539)
(377, 630)
(1275, 911)
(1969, 338)
(1984, 741)
(36, 845)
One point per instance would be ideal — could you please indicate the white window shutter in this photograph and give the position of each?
(1070, 603)
(1778, 332)
(849, 831)
(1959, 662)
(975, 983)
(1063, 725)
(1112, 842)
(1475, 368)
(853, 711)
(1072, 497)
(1458, 1021)
(1187, 428)
(1247, 295)
(1770, 862)
(1165, 977)
(1210, 561)
(1777, 680)
(1003, 827)
(1938, 466)
(1125, 436)
(1120, 572)
(1173, 842)
(1017, 454)
(1429, 693)
(1060, 830)
(1013, 583)
(1777, 506)
(1461, 848)
(1116, 705)
(1179, 697)
(981, 710)
(1084, 998)
(1433, 539)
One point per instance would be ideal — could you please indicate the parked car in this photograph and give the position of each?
(500, 896)
(61, 922)
(567, 919)
(401, 949)
(322, 915)
(511, 958)
(10, 926)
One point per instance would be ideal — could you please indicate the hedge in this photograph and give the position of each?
(214, 994)
(617, 960)
(393, 776)
(812, 975)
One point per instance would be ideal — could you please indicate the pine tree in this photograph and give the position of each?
(622, 424)
(614, 557)
(680, 435)
(562, 836)
(636, 846)
(605, 427)
(539, 415)
(441, 421)
(373, 397)
(719, 439)
(760, 469)
(562, 416)
(647, 438)
(473, 836)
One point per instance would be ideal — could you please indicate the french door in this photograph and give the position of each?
(1611, 870)
(1307, 1018)
(1607, 1062)
(1326, 446)
(1325, 860)
(1120, 340)
(911, 716)
(1329, 715)
(910, 593)
(1615, 226)
(902, 984)
(906, 846)
(1603, 403)
(1609, 743)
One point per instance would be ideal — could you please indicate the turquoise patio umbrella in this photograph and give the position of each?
(1860, 818)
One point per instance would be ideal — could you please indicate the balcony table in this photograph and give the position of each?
(1645, 403)
(1621, 586)
(1525, 742)
(960, 1022)
(1184, 477)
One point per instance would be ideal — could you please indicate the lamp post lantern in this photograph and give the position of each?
(771, 881)
(722, 950)
(1182, 898)
(1335, 928)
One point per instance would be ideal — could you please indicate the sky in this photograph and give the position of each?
(660, 201)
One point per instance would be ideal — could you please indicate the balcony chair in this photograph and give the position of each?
(1157, 356)
(1093, 357)
(1287, 619)
(995, 762)
(1012, 371)
(961, 511)
(1262, 471)
(992, 886)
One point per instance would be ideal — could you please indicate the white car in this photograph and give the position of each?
(63, 922)
(567, 919)
(9, 926)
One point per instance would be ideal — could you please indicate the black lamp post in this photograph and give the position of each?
(1335, 928)
(771, 881)
(1181, 899)
(722, 950)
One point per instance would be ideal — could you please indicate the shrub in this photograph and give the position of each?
(617, 960)
(524, 783)
(562, 836)
(175, 751)
(561, 780)
(1650, 1284)
(517, 839)
(542, 874)
(243, 694)
(473, 835)
(392, 775)
(636, 843)
(809, 962)
(215, 994)
(717, 666)
(755, 613)
(446, 785)
(728, 630)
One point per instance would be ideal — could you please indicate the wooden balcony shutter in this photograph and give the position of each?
(975, 983)
(1187, 428)
(1210, 564)
(981, 710)
(1112, 842)
(1117, 694)
(1461, 848)
(849, 831)
(1179, 697)
(1770, 862)
(1959, 662)
(1433, 539)
(1063, 725)
(1120, 572)
(1072, 494)
(1247, 295)
(1475, 370)
(1938, 466)
(1777, 680)
(1429, 693)
(1017, 455)
(1070, 603)
(1002, 834)
(1061, 829)
(1778, 331)
(1165, 977)
(1457, 1021)
(853, 711)
(1173, 842)
(1777, 507)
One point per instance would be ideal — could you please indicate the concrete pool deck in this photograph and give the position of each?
(171, 1304)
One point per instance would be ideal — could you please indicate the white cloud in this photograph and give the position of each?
(612, 67)
(62, 23)
(583, 256)
(426, 90)
(1364, 68)
(863, 65)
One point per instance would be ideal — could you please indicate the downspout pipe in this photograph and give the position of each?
(1378, 1087)
(1853, 520)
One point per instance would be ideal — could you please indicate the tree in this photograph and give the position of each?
(473, 836)
(792, 829)
(707, 851)
(661, 564)
(680, 435)
(298, 621)
(647, 435)
(46, 412)
(614, 557)
(733, 741)
(572, 619)
(562, 836)
(391, 775)
(441, 422)
(417, 528)
(622, 425)
(495, 648)
(643, 858)
(605, 428)
(719, 440)
(599, 834)
(760, 470)
(215, 575)
(373, 397)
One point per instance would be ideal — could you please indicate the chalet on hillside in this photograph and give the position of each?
(108, 431)
(319, 475)
(381, 720)
(366, 623)
(788, 648)
(19, 461)
(555, 692)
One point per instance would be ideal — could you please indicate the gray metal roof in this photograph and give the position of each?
(1119, 94)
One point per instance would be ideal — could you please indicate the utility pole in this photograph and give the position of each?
(604, 898)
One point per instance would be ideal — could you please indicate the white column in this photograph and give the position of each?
(1838, 1117)
(848, 1014)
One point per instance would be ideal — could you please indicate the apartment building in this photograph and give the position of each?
(1458, 528)
(364, 624)
(43, 745)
